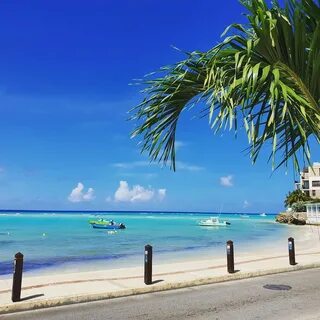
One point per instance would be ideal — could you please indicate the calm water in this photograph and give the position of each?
(52, 240)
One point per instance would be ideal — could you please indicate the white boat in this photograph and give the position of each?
(263, 214)
(213, 222)
(244, 216)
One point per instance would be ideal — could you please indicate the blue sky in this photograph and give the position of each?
(65, 67)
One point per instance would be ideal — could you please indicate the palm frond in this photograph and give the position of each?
(264, 75)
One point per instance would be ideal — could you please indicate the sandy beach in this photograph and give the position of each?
(59, 283)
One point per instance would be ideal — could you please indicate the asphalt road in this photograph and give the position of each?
(244, 299)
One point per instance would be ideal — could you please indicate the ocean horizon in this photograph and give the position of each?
(14, 211)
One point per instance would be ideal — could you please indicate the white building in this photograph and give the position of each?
(313, 213)
(310, 181)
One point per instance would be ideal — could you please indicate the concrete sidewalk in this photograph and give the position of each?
(53, 290)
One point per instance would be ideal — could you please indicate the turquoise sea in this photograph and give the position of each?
(51, 240)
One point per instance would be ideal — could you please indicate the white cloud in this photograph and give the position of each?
(78, 194)
(188, 167)
(226, 181)
(89, 195)
(136, 194)
(162, 193)
(246, 204)
(136, 164)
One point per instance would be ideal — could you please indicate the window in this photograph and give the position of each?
(313, 193)
(316, 183)
(305, 184)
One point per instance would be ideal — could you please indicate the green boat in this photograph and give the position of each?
(106, 224)
(100, 221)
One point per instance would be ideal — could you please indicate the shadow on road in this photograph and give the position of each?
(156, 281)
(32, 297)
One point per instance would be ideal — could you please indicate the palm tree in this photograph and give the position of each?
(264, 75)
(296, 196)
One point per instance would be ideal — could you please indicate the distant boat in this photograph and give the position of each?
(106, 224)
(213, 222)
(244, 216)
(109, 226)
(263, 214)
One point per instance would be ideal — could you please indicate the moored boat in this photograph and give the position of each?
(213, 222)
(100, 221)
(106, 224)
(109, 226)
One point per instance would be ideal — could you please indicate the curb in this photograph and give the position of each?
(34, 305)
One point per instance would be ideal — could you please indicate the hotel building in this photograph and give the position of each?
(310, 181)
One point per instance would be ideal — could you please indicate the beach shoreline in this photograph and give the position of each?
(62, 287)
(66, 242)
(248, 246)
(307, 239)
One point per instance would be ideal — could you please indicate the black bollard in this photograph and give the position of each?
(148, 264)
(17, 277)
(292, 254)
(230, 257)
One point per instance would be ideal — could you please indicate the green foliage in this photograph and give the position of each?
(299, 206)
(296, 196)
(263, 76)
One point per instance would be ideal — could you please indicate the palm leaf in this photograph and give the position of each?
(264, 75)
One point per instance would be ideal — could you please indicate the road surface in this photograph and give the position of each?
(257, 298)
